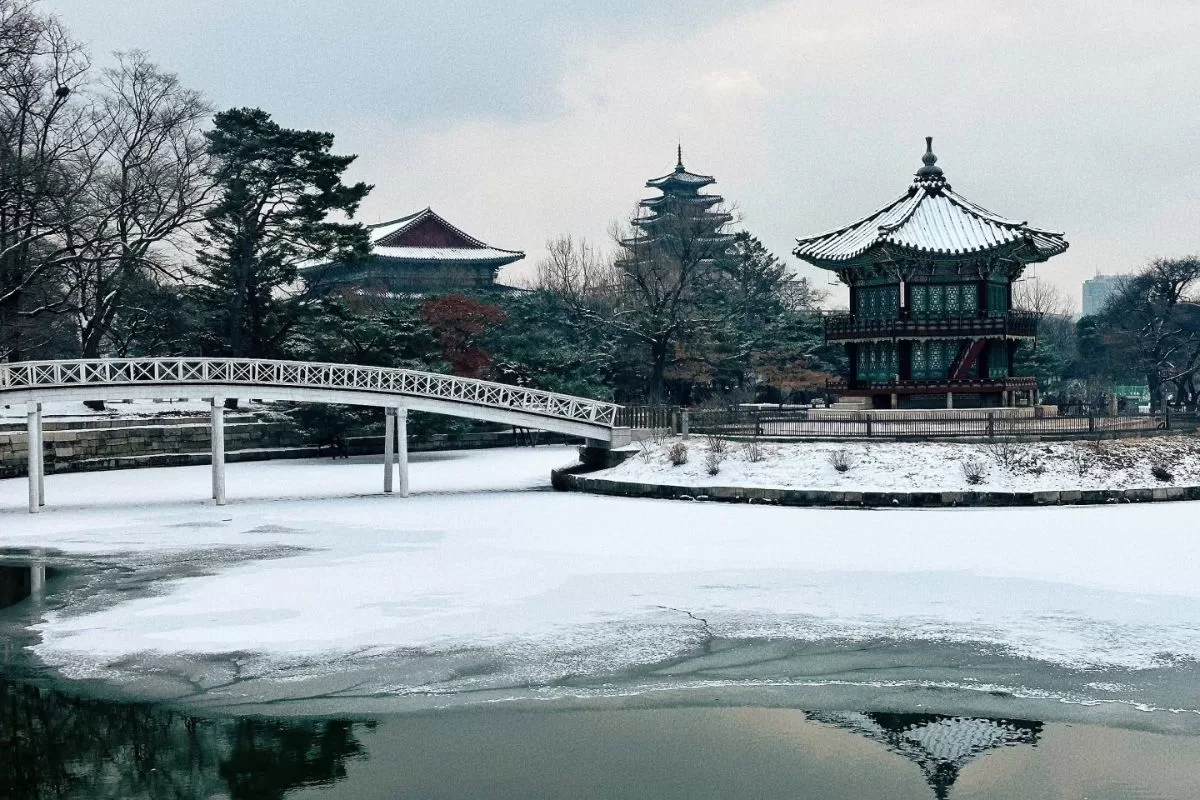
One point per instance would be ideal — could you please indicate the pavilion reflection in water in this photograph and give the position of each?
(940, 745)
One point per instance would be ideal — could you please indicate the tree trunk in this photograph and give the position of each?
(658, 369)
(1155, 392)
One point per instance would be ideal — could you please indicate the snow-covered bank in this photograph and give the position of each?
(919, 466)
(539, 586)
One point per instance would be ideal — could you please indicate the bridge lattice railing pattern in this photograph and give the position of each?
(300, 374)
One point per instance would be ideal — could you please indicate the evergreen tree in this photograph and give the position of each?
(545, 345)
(769, 336)
(277, 188)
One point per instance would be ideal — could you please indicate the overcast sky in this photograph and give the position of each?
(523, 120)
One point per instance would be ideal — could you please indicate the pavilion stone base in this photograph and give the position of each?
(881, 400)
(959, 400)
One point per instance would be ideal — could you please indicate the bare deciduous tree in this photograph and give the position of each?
(47, 136)
(151, 184)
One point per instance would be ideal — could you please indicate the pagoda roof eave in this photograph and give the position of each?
(650, 240)
(681, 178)
(694, 199)
(715, 219)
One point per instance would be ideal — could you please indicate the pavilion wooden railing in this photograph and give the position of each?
(848, 327)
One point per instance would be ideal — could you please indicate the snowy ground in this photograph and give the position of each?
(480, 585)
(120, 409)
(921, 466)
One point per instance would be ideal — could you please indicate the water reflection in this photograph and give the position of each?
(21, 580)
(16, 584)
(57, 746)
(941, 746)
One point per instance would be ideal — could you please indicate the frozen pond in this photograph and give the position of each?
(310, 595)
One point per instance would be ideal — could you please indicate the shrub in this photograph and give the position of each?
(841, 460)
(753, 451)
(1162, 473)
(717, 444)
(677, 453)
(974, 471)
(718, 448)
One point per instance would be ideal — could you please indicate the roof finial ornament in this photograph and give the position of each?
(679, 157)
(931, 171)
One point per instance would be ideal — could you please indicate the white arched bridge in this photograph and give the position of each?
(395, 390)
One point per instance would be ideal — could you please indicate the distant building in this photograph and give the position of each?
(418, 254)
(681, 220)
(1098, 290)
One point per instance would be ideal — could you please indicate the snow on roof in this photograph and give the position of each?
(448, 253)
(382, 230)
(930, 218)
(681, 177)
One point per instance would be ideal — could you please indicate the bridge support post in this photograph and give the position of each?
(402, 448)
(389, 448)
(33, 437)
(37, 578)
(217, 424)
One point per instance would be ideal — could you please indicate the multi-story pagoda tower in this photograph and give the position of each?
(676, 239)
(681, 228)
(931, 317)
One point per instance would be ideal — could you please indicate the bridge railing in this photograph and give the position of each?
(301, 374)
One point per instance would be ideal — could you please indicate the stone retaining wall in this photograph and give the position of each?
(83, 445)
(170, 441)
(568, 479)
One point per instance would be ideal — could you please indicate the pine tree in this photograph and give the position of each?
(277, 188)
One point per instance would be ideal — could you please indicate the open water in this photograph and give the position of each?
(71, 740)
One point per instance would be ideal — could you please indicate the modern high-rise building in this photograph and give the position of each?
(1097, 291)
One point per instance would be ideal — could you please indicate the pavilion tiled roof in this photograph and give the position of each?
(931, 219)
(387, 240)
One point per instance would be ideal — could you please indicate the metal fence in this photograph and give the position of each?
(647, 416)
(800, 423)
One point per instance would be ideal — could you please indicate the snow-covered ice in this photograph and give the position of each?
(582, 588)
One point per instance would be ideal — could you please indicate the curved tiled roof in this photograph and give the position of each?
(681, 178)
(386, 238)
(930, 219)
(474, 254)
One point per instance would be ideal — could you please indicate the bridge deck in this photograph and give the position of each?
(397, 390)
